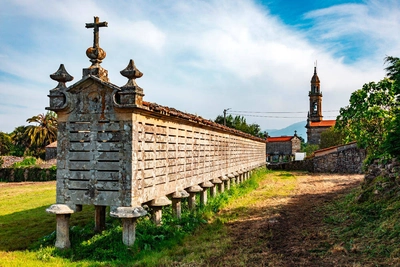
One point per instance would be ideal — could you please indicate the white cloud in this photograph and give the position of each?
(204, 56)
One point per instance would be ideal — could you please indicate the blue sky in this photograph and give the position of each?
(201, 56)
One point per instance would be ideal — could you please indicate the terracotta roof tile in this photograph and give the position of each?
(54, 144)
(279, 139)
(323, 123)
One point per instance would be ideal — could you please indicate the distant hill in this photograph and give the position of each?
(289, 131)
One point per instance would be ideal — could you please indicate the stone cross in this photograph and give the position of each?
(96, 25)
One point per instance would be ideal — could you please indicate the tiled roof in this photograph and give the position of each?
(54, 144)
(279, 139)
(323, 123)
(154, 107)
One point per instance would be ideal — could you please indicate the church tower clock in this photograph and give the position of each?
(315, 95)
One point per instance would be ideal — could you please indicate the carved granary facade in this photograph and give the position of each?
(315, 124)
(114, 149)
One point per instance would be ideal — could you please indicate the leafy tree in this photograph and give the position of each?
(19, 140)
(309, 148)
(393, 71)
(239, 123)
(392, 142)
(5, 144)
(368, 116)
(331, 137)
(42, 134)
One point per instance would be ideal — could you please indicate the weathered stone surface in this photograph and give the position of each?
(160, 202)
(194, 189)
(127, 212)
(207, 184)
(59, 209)
(345, 159)
(180, 194)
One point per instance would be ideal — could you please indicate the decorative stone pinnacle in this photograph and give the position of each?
(95, 53)
(131, 72)
(61, 76)
(131, 95)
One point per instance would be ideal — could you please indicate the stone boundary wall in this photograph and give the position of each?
(390, 169)
(342, 159)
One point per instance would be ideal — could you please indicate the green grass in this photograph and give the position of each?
(23, 219)
(364, 223)
(25, 206)
(367, 222)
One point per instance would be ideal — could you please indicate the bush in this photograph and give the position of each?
(26, 162)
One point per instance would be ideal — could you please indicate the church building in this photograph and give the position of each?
(315, 124)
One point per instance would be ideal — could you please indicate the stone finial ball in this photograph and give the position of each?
(95, 53)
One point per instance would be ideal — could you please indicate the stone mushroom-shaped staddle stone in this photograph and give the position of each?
(177, 202)
(213, 190)
(192, 195)
(156, 207)
(129, 216)
(231, 176)
(203, 194)
(131, 95)
(63, 213)
(222, 185)
(57, 95)
(247, 174)
(237, 177)
(241, 176)
(226, 182)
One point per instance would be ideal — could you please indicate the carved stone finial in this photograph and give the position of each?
(96, 54)
(131, 93)
(57, 96)
(132, 73)
(61, 76)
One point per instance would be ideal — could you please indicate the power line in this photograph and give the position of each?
(277, 117)
(272, 112)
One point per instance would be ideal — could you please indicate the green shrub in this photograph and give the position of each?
(27, 161)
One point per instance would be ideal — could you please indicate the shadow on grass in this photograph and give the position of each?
(20, 230)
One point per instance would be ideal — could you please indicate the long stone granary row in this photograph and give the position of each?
(116, 150)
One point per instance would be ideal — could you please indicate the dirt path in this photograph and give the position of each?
(288, 231)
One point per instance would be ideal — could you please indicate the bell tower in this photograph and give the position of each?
(315, 95)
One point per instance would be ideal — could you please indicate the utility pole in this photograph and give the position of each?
(225, 110)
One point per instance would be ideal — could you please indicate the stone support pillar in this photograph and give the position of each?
(156, 208)
(100, 219)
(63, 213)
(213, 190)
(237, 177)
(192, 196)
(203, 194)
(224, 183)
(241, 177)
(129, 216)
(232, 178)
(177, 201)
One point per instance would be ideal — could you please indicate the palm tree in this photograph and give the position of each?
(42, 134)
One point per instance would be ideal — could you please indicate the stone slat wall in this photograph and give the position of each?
(133, 158)
(171, 156)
